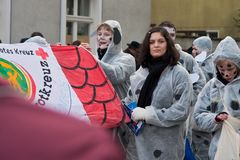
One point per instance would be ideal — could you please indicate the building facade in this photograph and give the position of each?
(196, 18)
(65, 21)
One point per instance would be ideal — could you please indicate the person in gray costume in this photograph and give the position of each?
(189, 63)
(163, 92)
(222, 90)
(202, 51)
(117, 65)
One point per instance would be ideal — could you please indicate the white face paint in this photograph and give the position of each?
(104, 37)
(227, 69)
(172, 32)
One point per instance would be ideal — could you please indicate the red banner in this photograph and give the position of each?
(100, 101)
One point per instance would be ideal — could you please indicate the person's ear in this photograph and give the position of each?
(116, 36)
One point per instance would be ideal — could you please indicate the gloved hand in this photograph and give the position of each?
(139, 114)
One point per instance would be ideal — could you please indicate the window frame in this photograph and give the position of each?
(94, 18)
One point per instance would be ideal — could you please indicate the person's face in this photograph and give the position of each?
(104, 37)
(195, 51)
(171, 32)
(227, 69)
(158, 45)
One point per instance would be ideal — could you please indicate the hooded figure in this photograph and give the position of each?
(202, 49)
(117, 65)
(203, 43)
(39, 40)
(221, 91)
(187, 62)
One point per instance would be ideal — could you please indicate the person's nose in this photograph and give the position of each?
(156, 44)
(226, 75)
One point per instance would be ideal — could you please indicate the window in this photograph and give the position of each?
(70, 7)
(191, 33)
(83, 7)
(213, 33)
(83, 31)
(69, 28)
(78, 20)
(198, 33)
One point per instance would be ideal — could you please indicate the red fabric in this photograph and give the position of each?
(91, 85)
(32, 133)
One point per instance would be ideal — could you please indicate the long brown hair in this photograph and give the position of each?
(171, 51)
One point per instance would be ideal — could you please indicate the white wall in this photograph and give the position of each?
(133, 15)
(36, 15)
(5, 10)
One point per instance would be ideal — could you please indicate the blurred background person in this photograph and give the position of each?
(134, 49)
(76, 43)
(37, 34)
(187, 61)
(22, 40)
(202, 51)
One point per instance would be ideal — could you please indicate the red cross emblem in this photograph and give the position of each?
(40, 52)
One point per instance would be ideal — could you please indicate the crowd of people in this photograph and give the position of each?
(179, 95)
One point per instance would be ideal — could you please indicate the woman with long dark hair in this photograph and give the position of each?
(163, 91)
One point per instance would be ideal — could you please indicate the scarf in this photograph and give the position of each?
(101, 53)
(156, 67)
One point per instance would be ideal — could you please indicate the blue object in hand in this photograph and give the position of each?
(134, 126)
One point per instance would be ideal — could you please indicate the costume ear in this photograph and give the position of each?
(116, 36)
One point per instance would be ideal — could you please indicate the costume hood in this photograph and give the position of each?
(227, 49)
(203, 43)
(116, 45)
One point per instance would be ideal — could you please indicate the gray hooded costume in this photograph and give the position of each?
(117, 65)
(211, 98)
(189, 63)
(204, 43)
(201, 140)
(163, 134)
